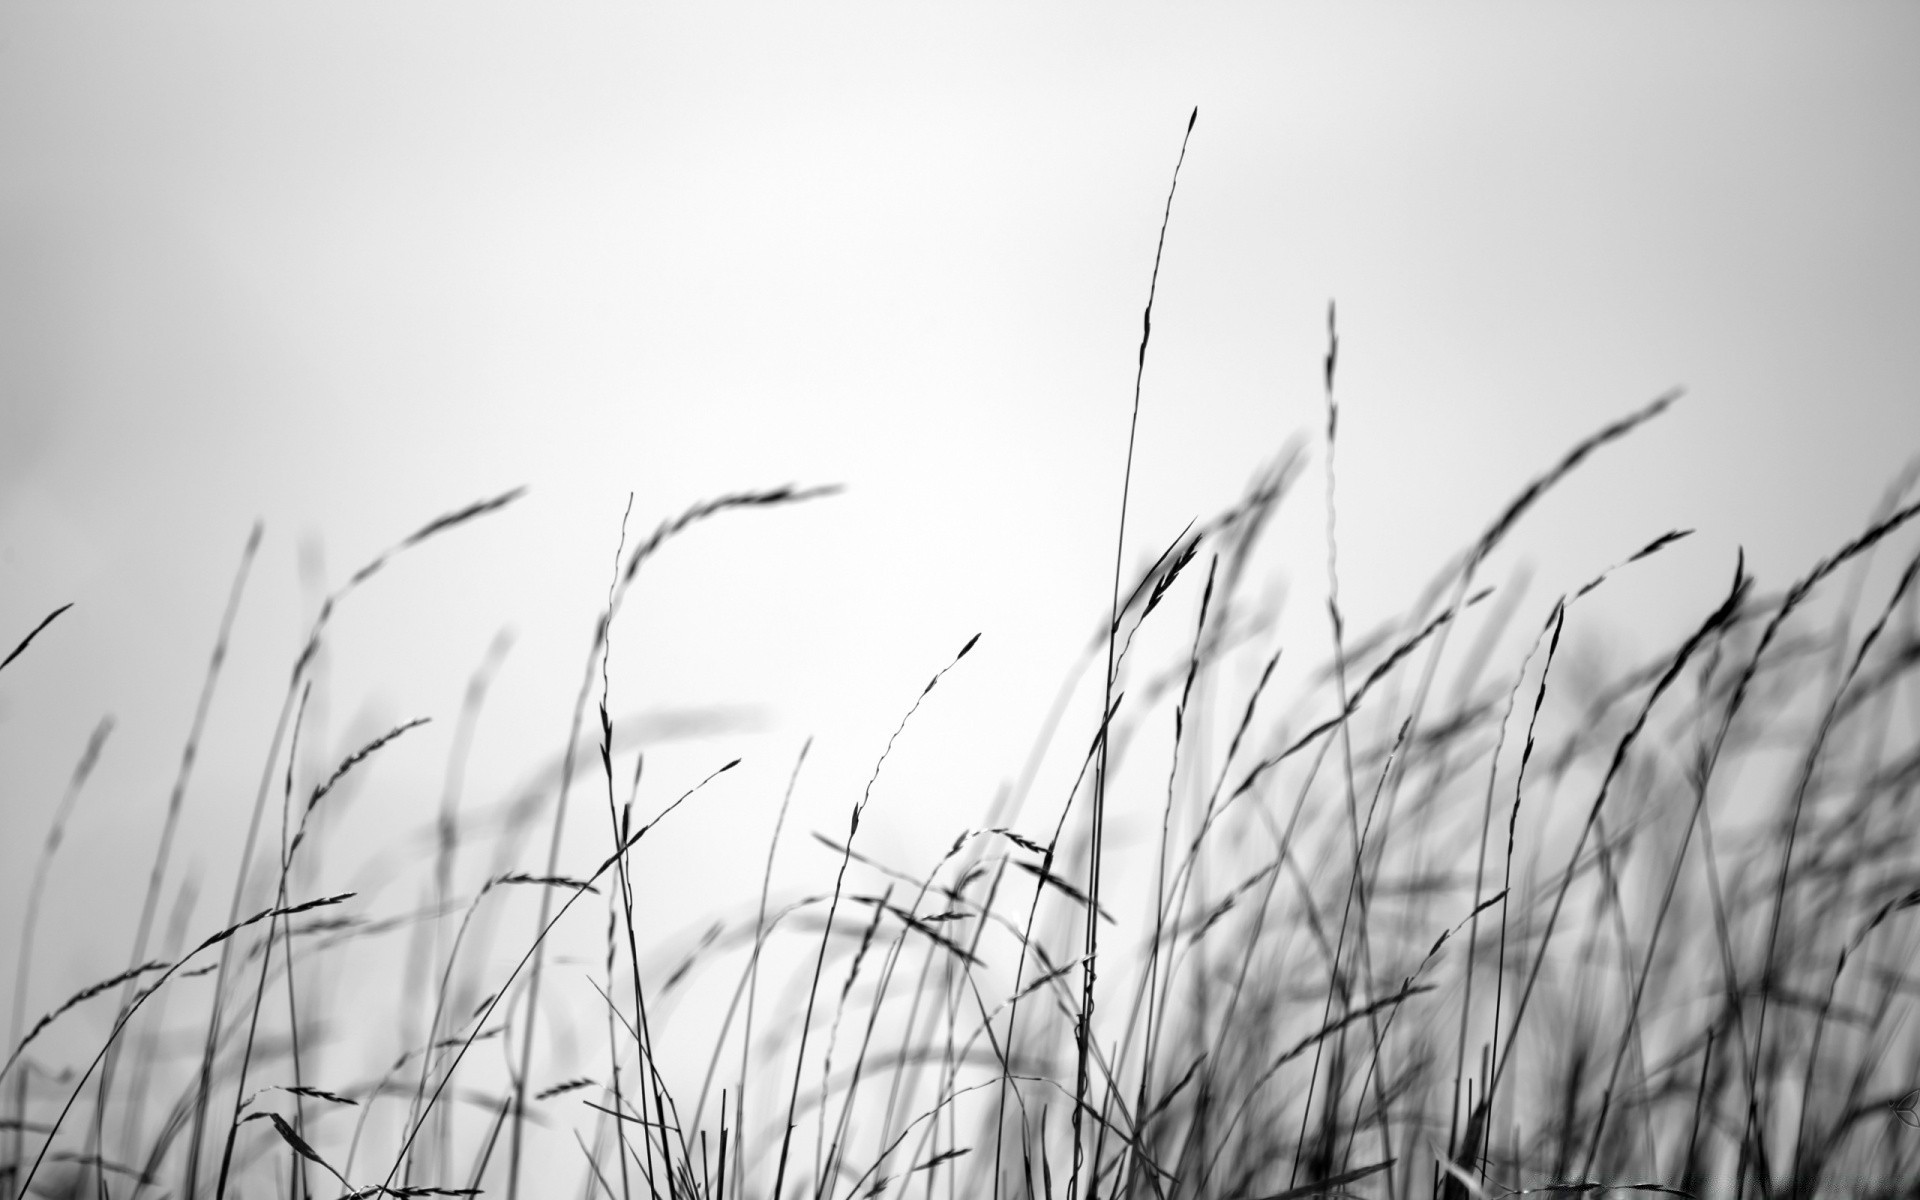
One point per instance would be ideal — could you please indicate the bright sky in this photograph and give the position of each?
(343, 267)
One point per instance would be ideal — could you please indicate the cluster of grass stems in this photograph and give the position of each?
(1396, 937)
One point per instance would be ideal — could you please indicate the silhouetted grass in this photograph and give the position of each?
(1435, 923)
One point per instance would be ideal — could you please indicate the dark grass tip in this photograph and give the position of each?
(28, 640)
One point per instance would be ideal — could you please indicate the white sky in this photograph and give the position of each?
(344, 267)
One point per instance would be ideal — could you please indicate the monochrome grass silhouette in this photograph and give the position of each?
(1446, 923)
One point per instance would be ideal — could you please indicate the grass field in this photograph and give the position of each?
(1467, 916)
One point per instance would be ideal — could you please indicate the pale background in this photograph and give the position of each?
(345, 267)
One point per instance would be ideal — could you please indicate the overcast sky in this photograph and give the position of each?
(343, 267)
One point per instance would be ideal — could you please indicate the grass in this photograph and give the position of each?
(1445, 922)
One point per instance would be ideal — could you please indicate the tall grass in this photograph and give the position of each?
(1443, 922)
